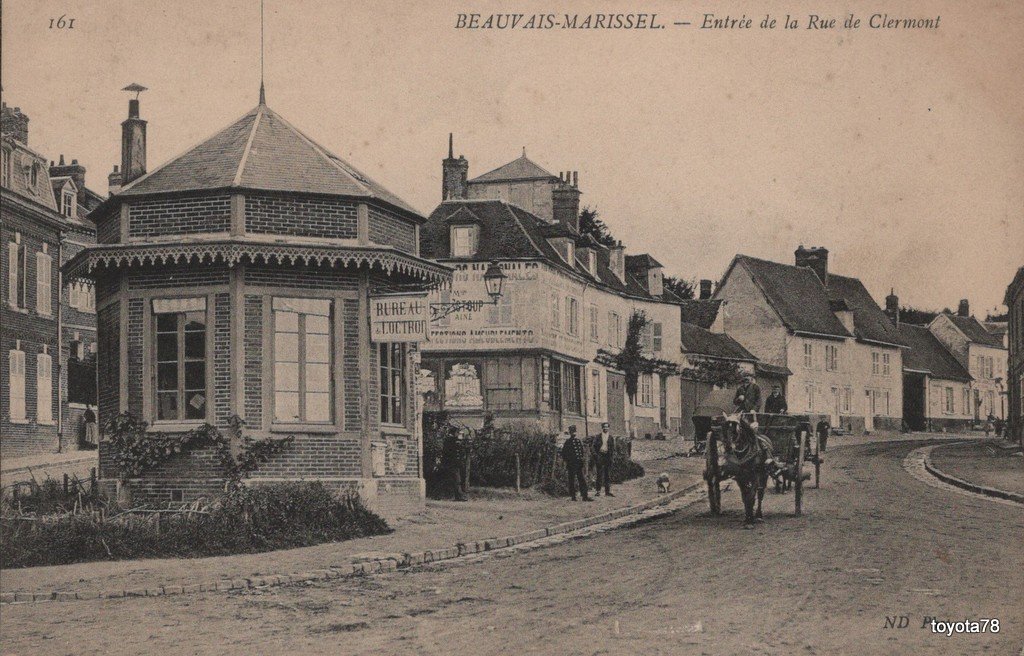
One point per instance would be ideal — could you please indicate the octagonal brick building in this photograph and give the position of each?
(236, 280)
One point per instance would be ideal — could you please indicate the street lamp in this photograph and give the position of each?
(494, 280)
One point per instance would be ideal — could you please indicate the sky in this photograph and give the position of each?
(902, 152)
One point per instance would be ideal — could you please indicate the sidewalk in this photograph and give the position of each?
(443, 524)
(982, 463)
(47, 465)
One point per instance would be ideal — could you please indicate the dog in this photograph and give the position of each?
(664, 484)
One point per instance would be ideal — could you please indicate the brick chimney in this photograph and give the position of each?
(114, 180)
(133, 144)
(77, 173)
(14, 123)
(705, 289)
(965, 308)
(892, 306)
(565, 200)
(454, 173)
(815, 258)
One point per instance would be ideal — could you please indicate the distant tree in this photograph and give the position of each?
(591, 224)
(919, 317)
(682, 288)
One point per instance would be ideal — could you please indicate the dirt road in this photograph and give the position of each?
(874, 543)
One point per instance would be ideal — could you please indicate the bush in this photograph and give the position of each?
(248, 520)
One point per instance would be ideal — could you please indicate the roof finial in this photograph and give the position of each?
(451, 151)
(524, 151)
(263, 92)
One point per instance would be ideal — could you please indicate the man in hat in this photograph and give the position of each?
(748, 395)
(572, 453)
(603, 448)
(775, 404)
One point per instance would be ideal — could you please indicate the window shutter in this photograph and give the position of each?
(12, 272)
(43, 283)
(656, 328)
(44, 388)
(16, 366)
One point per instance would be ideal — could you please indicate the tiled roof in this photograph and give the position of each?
(869, 321)
(510, 232)
(927, 354)
(262, 151)
(700, 312)
(522, 168)
(796, 294)
(699, 341)
(974, 331)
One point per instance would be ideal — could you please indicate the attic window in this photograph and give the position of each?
(465, 240)
(67, 206)
(34, 175)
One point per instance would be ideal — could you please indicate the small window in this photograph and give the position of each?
(33, 176)
(571, 378)
(948, 409)
(592, 262)
(16, 273)
(885, 364)
(595, 392)
(808, 355)
(302, 360)
(464, 240)
(67, 207)
(656, 336)
(556, 312)
(180, 359)
(391, 360)
(647, 390)
(593, 323)
(876, 363)
(831, 357)
(572, 316)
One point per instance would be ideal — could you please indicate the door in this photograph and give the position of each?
(836, 398)
(869, 414)
(616, 400)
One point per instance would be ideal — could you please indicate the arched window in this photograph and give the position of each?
(34, 175)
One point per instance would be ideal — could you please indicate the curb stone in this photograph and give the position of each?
(967, 485)
(389, 563)
(917, 464)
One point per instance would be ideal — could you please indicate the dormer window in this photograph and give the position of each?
(33, 175)
(592, 262)
(67, 206)
(565, 248)
(465, 240)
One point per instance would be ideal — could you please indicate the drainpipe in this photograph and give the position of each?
(60, 341)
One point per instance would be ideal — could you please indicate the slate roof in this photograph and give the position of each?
(974, 331)
(927, 353)
(700, 341)
(522, 168)
(510, 232)
(796, 294)
(642, 262)
(262, 151)
(806, 306)
(700, 312)
(869, 321)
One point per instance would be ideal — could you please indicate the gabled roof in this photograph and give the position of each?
(927, 354)
(796, 294)
(262, 151)
(642, 262)
(510, 232)
(973, 330)
(700, 312)
(522, 168)
(870, 323)
(700, 341)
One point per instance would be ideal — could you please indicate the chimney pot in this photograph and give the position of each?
(454, 175)
(815, 258)
(133, 144)
(965, 308)
(705, 289)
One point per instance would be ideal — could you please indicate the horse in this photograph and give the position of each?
(747, 463)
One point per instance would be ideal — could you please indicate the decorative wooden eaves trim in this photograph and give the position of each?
(232, 252)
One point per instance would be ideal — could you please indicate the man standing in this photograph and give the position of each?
(748, 395)
(603, 447)
(775, 404)
(572, 453)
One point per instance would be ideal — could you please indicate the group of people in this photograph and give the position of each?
(602, 449)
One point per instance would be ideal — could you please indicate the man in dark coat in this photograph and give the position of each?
(775, 404)
(748, 395)
(575, 461)
(602, 448)
(453, 459)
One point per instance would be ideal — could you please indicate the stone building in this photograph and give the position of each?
(41, 225)
(981, 353)
(844, 354)
(1014, 301)
(936, 387)
(540, 354)
(236, 280)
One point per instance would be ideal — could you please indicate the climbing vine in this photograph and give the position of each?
(135, 449)
(630, 360)
(721, 373)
